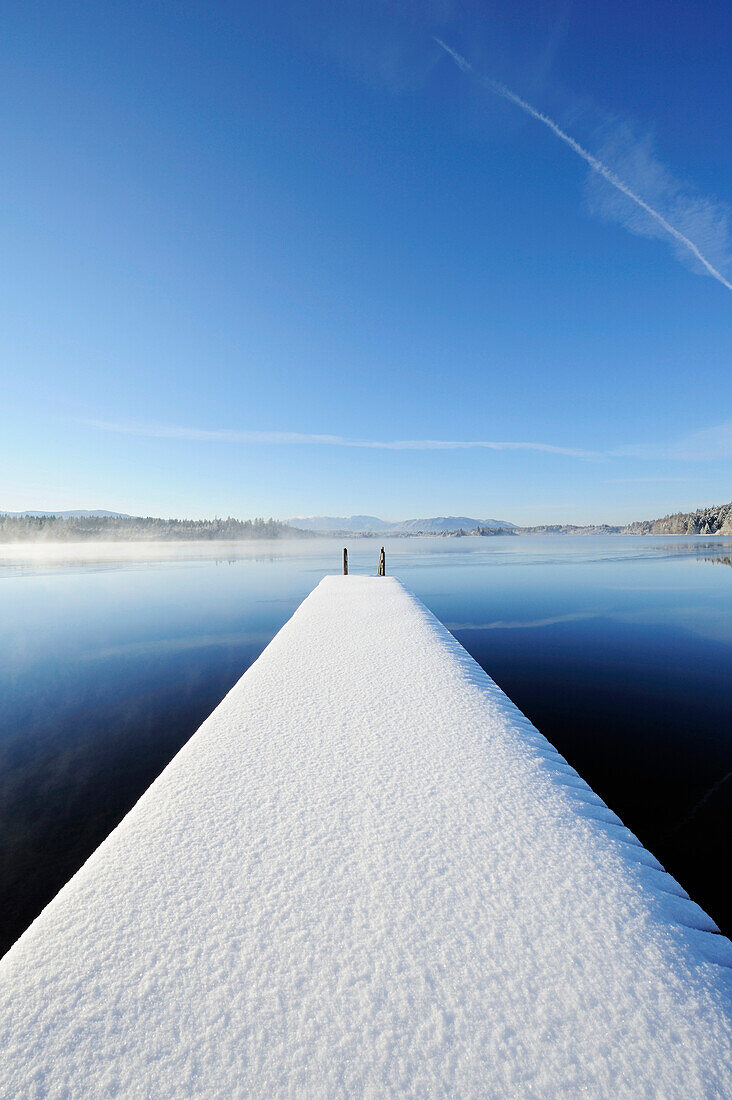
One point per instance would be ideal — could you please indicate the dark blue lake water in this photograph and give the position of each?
(618, 649)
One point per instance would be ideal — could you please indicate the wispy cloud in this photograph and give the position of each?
(227, 435)
(701, 219)
(704, 446)
(688, 215)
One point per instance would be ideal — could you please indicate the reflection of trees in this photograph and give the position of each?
(701, 549)
(725, 560)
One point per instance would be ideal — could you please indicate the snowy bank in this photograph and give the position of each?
(368, 874)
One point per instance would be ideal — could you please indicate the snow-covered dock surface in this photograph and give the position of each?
(368, 874)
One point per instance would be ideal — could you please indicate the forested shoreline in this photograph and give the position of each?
(64, 528)
(704, 521)
(53, 528)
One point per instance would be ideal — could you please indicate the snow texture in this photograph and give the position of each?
(367, 874)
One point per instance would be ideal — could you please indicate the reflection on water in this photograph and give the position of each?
(619, 649)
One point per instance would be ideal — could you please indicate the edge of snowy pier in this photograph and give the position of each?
(368, 874)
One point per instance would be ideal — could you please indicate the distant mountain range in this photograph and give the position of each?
(70, 515)
(102, 524)
(716, 520)
(352, 525)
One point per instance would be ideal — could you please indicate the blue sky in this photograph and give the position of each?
(241, 238)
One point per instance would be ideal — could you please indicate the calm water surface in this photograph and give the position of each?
(618, 649)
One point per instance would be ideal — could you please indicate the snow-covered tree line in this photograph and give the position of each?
(74, 528)
(705, 521)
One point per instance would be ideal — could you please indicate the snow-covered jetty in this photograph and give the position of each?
(368, 874)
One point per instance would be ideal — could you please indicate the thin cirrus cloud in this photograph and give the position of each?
(701, 219)
(690, 223)
(228, 435)
(706, 445)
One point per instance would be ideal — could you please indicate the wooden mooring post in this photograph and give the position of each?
(382, 563)
(345, 562)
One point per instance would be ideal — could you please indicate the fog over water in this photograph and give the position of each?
(112, 654)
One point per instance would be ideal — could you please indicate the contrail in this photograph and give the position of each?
(594, 163)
